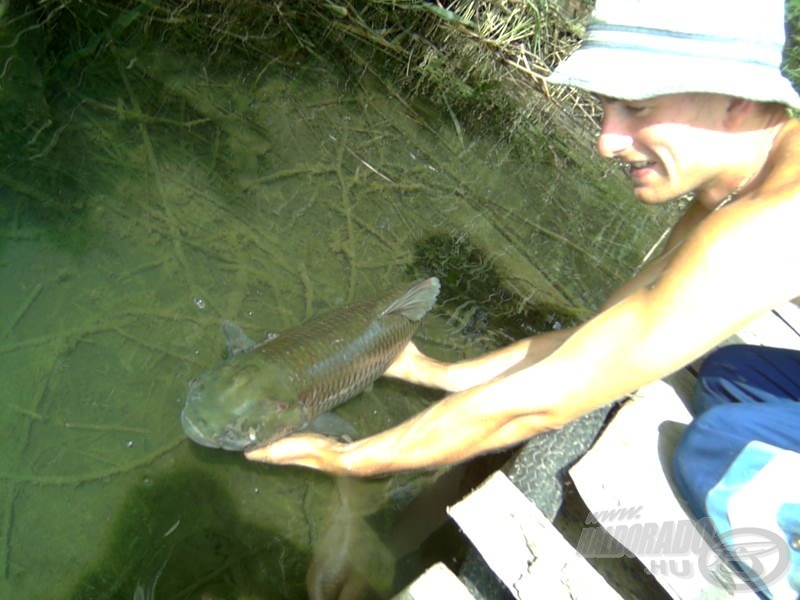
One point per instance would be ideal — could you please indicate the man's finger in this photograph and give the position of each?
(303, 449)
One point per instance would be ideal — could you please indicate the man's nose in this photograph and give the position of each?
(611, 144)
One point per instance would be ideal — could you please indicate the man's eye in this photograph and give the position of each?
(635, 109)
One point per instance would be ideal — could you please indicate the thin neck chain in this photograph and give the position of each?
(735, 193)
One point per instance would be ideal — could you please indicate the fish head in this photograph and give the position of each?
(241, 404)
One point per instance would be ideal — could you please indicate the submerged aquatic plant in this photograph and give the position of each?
(474, 294)
(270, 190)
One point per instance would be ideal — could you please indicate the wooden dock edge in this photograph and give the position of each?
(522, 546)
(435, 583)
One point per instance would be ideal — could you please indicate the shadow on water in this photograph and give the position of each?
(474, 293)
(185, 538)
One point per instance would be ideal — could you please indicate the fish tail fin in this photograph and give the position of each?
(417, 301)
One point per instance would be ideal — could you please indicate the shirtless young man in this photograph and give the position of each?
(693, 103)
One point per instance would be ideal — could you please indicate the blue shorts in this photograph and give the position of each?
(747, 410)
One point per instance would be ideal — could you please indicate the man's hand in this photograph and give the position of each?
(413, 366)
(305, 450)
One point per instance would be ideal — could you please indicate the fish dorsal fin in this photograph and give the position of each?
(417, 301)
(236, 339)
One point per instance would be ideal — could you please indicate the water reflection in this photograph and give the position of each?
(349, 559)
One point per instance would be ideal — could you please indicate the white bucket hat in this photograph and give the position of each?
(637, 49)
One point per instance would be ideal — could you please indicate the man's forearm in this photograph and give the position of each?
(417, 368)
(454, 429)
(468, 373)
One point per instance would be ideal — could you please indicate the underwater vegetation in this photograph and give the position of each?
(158, 180)
(473, 292)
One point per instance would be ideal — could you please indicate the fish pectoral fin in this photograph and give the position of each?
(236, 339)
(417, 301)
(333, 426)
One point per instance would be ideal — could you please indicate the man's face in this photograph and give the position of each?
(670, 144)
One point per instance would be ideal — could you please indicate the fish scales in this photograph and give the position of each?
(268, 390)
(337, 355)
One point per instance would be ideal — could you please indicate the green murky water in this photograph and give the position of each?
(154, 196)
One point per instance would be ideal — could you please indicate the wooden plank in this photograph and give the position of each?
(434, 584)
(777, 328)
(523, 548)
(790, 314)
(624, 480)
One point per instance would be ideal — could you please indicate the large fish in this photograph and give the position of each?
(265, 391)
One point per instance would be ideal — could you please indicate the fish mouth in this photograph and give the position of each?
(223, 442)
(194, 433)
